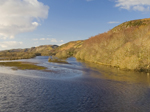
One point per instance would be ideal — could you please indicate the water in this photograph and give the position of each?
(74, 87)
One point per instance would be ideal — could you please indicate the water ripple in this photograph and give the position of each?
(81, 89)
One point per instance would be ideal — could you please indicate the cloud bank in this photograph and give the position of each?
(17, 16)
(10, 44)
(137, 5)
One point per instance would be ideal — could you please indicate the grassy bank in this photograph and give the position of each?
(22, 65)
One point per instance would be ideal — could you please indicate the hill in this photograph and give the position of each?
(43, 50)
(67, 50)
(127, 46)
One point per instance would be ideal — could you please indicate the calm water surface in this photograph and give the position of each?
(74, 87)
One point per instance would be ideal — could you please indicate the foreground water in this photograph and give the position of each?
(74, 87)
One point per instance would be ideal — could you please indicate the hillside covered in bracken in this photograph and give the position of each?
(126, 46)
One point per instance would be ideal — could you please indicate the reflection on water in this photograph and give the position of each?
(148, 80)
(115, 74)
(74, 87)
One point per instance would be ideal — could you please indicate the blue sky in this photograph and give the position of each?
(42, 22)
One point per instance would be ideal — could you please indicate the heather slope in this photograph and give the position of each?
(126, 46)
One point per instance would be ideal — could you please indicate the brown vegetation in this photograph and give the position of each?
(69, 49)
(27, 53)
(126, 46)
(57, 60)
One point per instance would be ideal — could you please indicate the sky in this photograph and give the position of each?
(31, 23)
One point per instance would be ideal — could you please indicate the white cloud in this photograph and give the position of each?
(35, 24)
(61, 44)
(139, 5)
(10, 44)
(48, 39)
(17, 16)
(113, 22)
(45, 39)
(53, 40)
(61, 41)
(42, 39)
